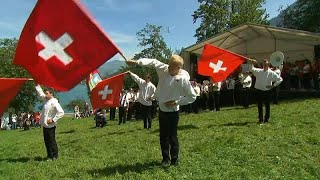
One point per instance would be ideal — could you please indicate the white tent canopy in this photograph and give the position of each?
(259, 41)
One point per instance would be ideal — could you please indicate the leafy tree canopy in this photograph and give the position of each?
(27, 97)
(302, 15)
(151, 40)
(217, 16)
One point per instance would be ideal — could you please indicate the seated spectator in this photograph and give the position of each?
(101, 118)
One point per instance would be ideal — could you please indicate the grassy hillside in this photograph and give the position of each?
(214, 145)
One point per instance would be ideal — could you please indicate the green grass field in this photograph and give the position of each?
(213, 145)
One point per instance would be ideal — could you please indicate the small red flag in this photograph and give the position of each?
(9, 88)
(107, 92)
(61, 44)
(218, 63)
(93, 79)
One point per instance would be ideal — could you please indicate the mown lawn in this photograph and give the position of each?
(214, 145)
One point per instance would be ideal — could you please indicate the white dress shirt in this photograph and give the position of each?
(216, 86)
(51, 109)
(147, 90)
(247, 81)
(171, 88)
(230, 84)
(197, 90)
(124, 99)
(265, 78)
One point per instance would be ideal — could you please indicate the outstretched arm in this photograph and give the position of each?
(40, 92)
(158, 65)
(136, 78)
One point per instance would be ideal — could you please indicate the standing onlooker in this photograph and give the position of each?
(214, 96)
(230, 90)
(306, 75)
(124, 102)
(51, 112)
(246, 81)
(112, 113)
(76, 112)
(14, 121)
(147, 90)
(195, 104)
(86, 110)
(276, 90)
(173, 90)
(131, 97)
(294, 78)
(266, 79)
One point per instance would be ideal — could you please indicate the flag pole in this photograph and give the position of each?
(123, 56)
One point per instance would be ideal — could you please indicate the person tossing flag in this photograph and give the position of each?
(218, 63)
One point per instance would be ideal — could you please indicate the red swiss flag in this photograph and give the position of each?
(218, 63)
(9, 87)
(107, 92)
(61, 44)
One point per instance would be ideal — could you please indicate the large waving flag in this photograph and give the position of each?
(218, 63)
(93, 79)
(107, 92)
(61, 44)
(9, 88)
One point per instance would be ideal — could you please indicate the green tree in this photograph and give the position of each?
(151, 40)
(217, 16)
(73, 103)
(27, 95)
(302, 15)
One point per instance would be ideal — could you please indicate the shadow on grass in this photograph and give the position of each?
(238, 124)
(122, 169)
(22, 159)
(116, 133)
(120, 132)
(67, 132)
(233, 108)
(184, 127)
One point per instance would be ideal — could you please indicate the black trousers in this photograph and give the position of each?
(264, 97)
(49, 135)
(245, 97)
(130, 110)
(168, 123)
(195, 105)
(214, 100)
(112, 113)
(306, 81)
(147, 116)
(122, 114)
(276, 91)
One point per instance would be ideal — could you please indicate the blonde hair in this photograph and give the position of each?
(176, 60)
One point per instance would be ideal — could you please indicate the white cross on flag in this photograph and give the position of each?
(107, 92)
(218, 63)
(61, 44)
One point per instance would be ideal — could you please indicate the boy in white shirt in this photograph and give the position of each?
(147, 90)
(266, 79)
(173, 90)
(51, 112)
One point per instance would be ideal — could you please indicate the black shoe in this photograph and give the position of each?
(165, 163)
(174, 162)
